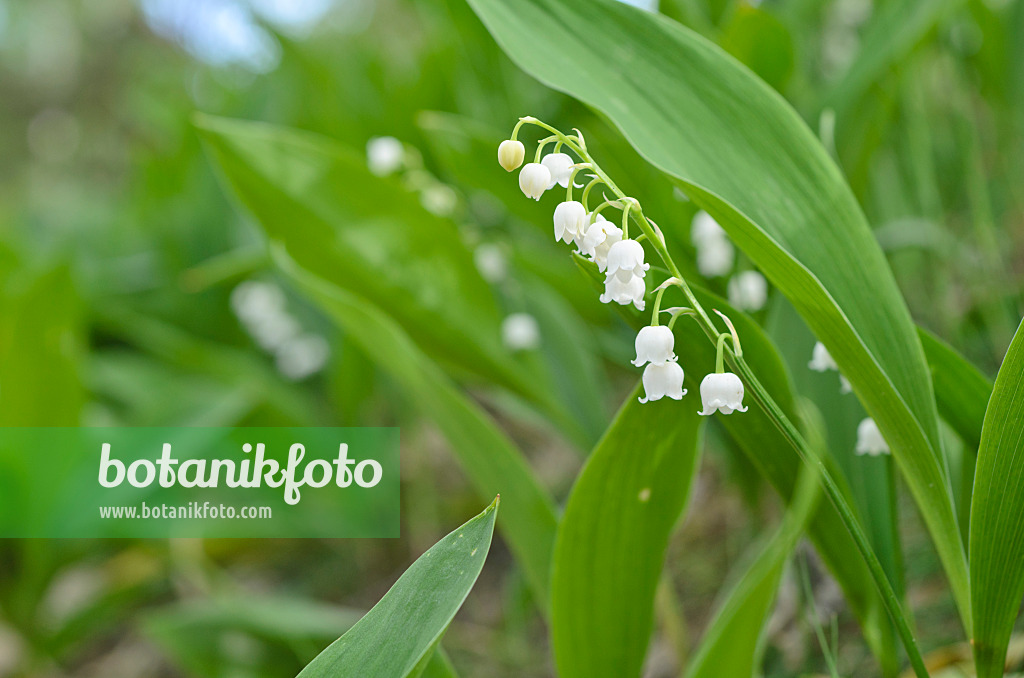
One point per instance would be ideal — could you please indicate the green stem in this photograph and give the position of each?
(719, 367)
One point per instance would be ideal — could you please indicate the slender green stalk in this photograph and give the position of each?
(764, 400)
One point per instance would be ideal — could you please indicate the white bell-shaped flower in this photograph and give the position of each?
(821, 359)
(844, 385)
(704, 229)
(384, 155)
(655, 344)
(663, 381)
(511, 154)
(534, 179)
(748, 291)
(626, 259)
(624, 292)
(598, 240)
(570, 221)
(721, 393)
(715, 257)
(560, 167)
(869, 439)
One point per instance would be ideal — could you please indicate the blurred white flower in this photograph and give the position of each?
(253, 300)
(560, 167)
(748, 291)
(626, 260)
(869, 439)
(491, 262)
(439, 200)
(570, 221)
(520, 332)
(511, 154)
(624, 292)
(821, 359)
(384, 155)
(664, 380)
(844, 385)
(534, 179)
(704, 229)
(721, 393)
(654, 344)
(302, 356)
(715, 257)
(272, 332)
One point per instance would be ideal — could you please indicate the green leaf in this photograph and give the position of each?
(611, 541)
(740, 152)
(397, 637)
(997, 513)
(491, 462)
(961, 390)
(732, 644)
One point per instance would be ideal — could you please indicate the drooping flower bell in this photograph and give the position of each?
(560, 167)
(534, 179)
(598, 240)
(722, 392)
(655, 344)
(748, 291)
(869, 439)
(663, 380)
(821, 359)
(715, 257)
(705, 229)
(626, 260)
(624, 292)
(511, 154)
(570, 221)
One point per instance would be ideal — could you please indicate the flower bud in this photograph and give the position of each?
(511, 154)
(560, 166)
(626, 259)
(821, 359)
(748, 291)
(570, 221)
(661, 381)
(869, 439)
(534, 179)
(721, 393)
(624, 292)
(654, 344)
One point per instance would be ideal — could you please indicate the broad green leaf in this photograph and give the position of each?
(397, 637)
(491, 462)
(611, 542)
(732, 644)
(740, 152)
(997, 514)
(369, 235)
(961, 390)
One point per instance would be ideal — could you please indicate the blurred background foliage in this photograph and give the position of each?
(133, 293)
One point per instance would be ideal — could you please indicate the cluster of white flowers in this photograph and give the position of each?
(262, 309)
(621, 260)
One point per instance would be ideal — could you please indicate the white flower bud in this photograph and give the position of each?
(624, 292)
(560, 166)
(869, 439)
(721, 393)
(748, 291)
(705, 229)
(384, 155)
(654, 345)
(598, 240)
(534, 179)
(626, 259)
(519, 332)
(661, 381)
(821, 359)
(715, 257)
(511, 154)
(570, 221)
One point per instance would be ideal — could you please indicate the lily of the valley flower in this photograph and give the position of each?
(715, 257)
(870, 440)
(721, 393)
(624, 292)
(560, 167)
(598, 240)
(844, 385)
(655, 344)
(519, 332)
(570, 221)
(704, 229)
(511, 154)
(626, 260)
(748, 291)
(534, 179)
(663, 380)
(384, 155)
(821, 359)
